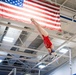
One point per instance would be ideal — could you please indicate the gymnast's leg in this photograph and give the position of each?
(39, 28)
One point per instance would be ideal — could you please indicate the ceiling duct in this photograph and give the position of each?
(14, 49)
(22, 37)
(34, 45)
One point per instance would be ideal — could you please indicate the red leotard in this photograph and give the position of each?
(47, 42)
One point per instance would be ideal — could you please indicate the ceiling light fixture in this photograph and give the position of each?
(3, 53)
(1, 60)
(8, 39)
(41, 66)
(27, 74)
(63, 50)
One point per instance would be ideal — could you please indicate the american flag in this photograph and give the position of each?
(45, 13)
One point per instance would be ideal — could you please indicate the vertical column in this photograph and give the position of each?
(70, 61)
(14, 71)
(39, 72)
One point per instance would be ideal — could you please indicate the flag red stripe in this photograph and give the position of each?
(43, 5)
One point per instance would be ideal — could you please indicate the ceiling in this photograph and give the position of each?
(27, 50)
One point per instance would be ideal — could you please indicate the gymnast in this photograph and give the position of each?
(45, 36)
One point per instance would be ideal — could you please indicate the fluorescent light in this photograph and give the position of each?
(1, 60)
(41, 66)
(63, 50)
(8, 39)
(3, 53)
(27, 74)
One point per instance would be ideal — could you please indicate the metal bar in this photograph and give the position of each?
(14, 70)
(19, 53)
(21, 41)
(19, 58)
(8, 71)
(70, 61)
(53, 61)
(11, 72)
(19, 68)
(39, 72)
(40, 61)
(64, 2)
(16, 27)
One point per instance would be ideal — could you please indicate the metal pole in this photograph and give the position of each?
(10, 72)
(14, 70)
(70, 61)
(39, 72)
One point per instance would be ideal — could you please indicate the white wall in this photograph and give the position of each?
(65, 69)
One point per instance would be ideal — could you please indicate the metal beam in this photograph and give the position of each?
(64, 3)
(11, 66)
(29, 49)
(19, 53)
(22, 48)
(16, 27)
